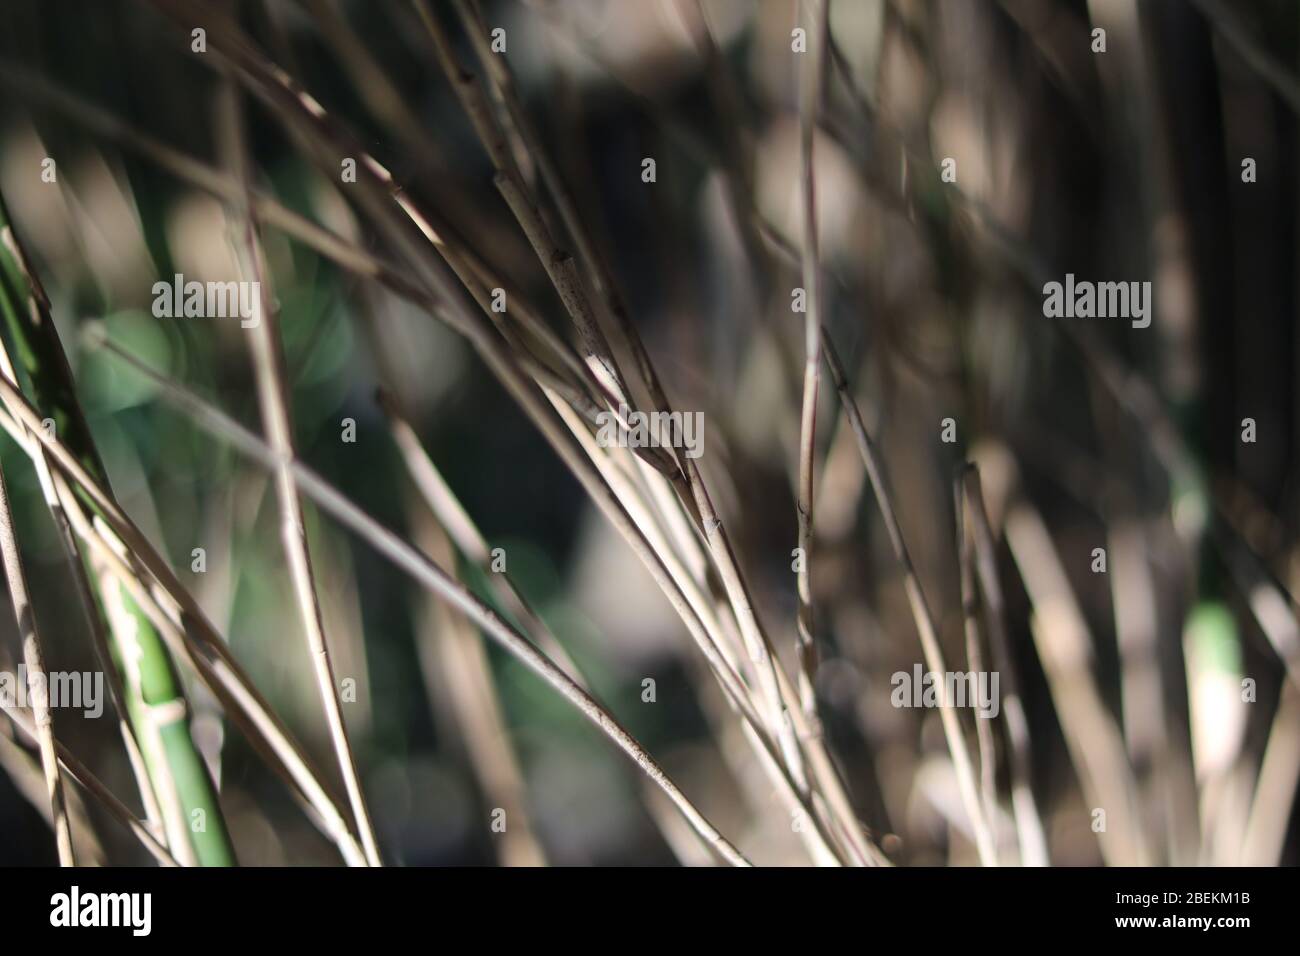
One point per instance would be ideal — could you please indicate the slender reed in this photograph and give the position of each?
(273, 401)
(37, 680)
(811, 84)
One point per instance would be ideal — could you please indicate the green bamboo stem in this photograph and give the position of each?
(156, 705)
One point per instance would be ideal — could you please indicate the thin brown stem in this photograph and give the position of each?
(925, 625)
(273, 401)
(37, 680)
(95, 787)
(975, 655)
(1029, 826)
(811, 82)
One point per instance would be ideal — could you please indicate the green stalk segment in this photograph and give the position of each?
(156, 702)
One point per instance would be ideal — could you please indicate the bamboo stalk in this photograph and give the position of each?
(116, 547)
(156, 704)
(78, 569)
(415, 564)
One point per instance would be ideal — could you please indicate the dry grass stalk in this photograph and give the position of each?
(811, 85)
(1064, 646)
(95, 787)
(273, 400)
(1029, 825)
(450, 648)
(37, 679)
